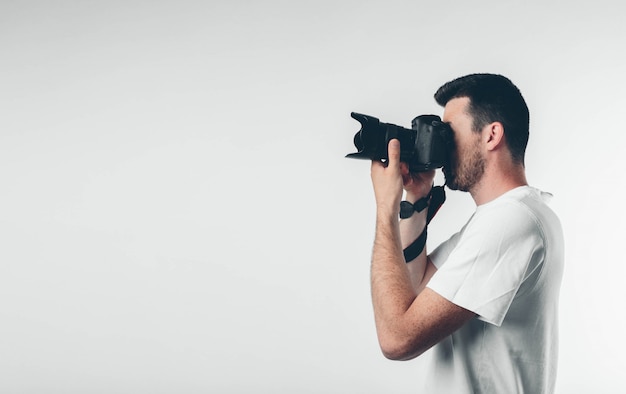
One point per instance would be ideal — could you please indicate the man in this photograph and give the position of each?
(487, 298)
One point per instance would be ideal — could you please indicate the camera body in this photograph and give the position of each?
(426, 146)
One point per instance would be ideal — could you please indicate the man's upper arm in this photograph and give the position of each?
(484, 272)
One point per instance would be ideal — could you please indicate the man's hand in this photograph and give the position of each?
(416, 184)
(391, 177)
(387, 180)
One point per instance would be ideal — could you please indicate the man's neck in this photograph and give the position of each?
(497, 181)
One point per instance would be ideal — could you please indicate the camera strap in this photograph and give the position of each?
(437, 198)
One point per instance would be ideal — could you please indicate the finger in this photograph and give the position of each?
(404, 168)
(407, 180)
(393, 151)
(406, 175)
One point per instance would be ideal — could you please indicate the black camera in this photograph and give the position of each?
(426, 146)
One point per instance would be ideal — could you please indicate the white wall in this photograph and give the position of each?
(177, 216)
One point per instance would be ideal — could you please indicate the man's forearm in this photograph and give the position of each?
(392, 290)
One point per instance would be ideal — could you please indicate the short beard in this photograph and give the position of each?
(467, 171)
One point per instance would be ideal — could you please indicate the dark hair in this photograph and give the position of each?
(493, 98)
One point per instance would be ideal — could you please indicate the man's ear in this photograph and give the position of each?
(494, 135)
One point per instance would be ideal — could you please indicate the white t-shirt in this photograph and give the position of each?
(505, 265)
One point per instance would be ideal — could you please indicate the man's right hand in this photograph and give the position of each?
(416, 184)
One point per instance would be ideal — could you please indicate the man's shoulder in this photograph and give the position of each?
(519, 206)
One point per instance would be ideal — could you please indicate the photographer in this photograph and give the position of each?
(486, 299)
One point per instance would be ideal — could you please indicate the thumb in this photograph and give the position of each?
(393, 152)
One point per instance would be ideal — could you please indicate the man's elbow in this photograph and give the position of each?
(400, 349)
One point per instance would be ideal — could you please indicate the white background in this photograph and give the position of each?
(176, 214)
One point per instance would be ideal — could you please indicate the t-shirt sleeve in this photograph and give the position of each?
(482, 267)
